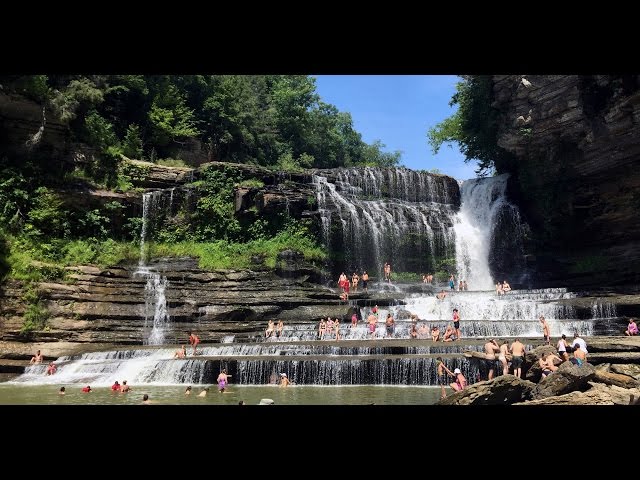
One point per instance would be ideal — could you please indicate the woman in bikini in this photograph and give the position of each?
(321, 328)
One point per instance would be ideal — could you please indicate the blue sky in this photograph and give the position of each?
(398, 110)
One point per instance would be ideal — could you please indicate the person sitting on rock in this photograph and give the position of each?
(547, 363)
(37, 358)
(632, 328)
(435, 333)
(579, 356)
(270, 328)
(460, 382)
(449, 334)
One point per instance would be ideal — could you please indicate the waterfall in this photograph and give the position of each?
(375, 215)
(483, 207)
(155, 300)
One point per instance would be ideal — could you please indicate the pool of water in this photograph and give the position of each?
(12, 394)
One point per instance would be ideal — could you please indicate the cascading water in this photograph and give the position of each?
(377, 215)
(483, 204)
(156, 311)
(372, 215)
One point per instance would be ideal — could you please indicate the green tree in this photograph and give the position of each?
(374, 156)
(474, 125)
(132, 143)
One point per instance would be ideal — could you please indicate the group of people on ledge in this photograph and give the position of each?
(273, 328)
(502, 288)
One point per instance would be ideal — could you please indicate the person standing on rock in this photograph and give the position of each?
(517, 357)
(194, 340)
(562, 348)
(390, 325)
(371, 320)
(456, 322)
(387, 272)
(490, 350)
(365, 281)
(545, 330)
(321, 328)
(504, 352)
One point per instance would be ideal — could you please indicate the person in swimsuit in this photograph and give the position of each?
(371, 320)
(490, 350)
(365, 281)
(204, 392)
(37, 358)
(456, 322)
(194, 340)
(435, 333)
(517, 357)
(321, 328)
(279, 328)
(632, 328)
(188, 390)
(579, 357)
(52, 368)
(270, 328)
(562, 348)
(125, 388)
(547, 364)
(449, 334)
(284, 380)
(182, 353)
(390, 325)
(504, 351)
(222, 380)
(460, 382)
(545, 330)
(443, 371)
(62, 391)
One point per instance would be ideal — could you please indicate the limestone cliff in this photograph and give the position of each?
(576, 143)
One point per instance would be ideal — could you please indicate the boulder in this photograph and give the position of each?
(502, 390)
(567, 378)
(598, 394)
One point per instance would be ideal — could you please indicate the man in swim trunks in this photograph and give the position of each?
(517, 357)
(490, 350)
(545, 330)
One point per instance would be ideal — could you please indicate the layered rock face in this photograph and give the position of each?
(576, 143)
(115, 306)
